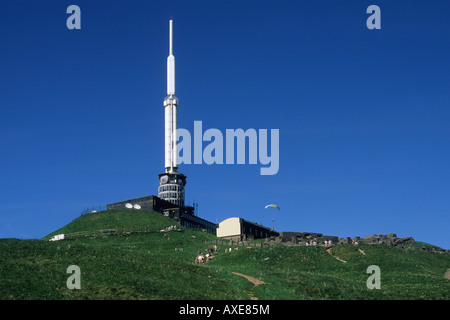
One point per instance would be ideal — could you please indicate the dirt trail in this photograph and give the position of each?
(337, 258)
(447, 274)
(253, 280)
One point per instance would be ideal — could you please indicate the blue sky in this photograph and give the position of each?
(363, 114)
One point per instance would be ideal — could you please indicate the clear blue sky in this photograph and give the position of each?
(363, 114)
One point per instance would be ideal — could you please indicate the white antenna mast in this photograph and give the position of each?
(171, 104)
(170, 63)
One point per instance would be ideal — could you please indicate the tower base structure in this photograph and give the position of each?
(171, 187)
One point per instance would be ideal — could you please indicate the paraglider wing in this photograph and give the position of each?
(272, 205)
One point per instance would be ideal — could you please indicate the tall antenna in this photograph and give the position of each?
(171, 37)
(170, 63)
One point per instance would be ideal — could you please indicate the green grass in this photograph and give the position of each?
(147, 266)
(312, 273)
(422, 244)
(121, 219)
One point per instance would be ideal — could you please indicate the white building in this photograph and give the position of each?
(238, 229)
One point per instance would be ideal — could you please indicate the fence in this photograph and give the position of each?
(92, 209)
(117, 231)
(239, 243)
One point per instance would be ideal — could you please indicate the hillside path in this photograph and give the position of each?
(253, 280)
(447, 274)
(337, 258)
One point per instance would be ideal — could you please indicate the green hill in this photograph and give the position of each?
(120, 219)
(160, 265)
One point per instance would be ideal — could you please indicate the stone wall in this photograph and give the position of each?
(387, 239)
(302, 238)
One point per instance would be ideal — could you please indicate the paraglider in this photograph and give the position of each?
(273, 206)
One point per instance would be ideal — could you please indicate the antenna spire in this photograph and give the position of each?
(170, 63)
(171, 37)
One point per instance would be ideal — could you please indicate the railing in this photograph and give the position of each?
(118, 231)
(239, 243)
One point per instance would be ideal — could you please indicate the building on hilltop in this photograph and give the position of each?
(151, 203)
(182, 214)
(238, 229)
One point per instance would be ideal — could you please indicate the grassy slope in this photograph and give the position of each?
(147, 266)
(312, 273)
(121, 219)
(142, 266)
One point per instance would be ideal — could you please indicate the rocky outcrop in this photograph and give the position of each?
(393, 241)
(387, 239)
